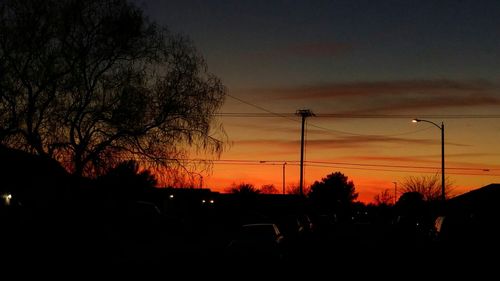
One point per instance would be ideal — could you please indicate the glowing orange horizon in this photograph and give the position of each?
(367, 183)
(372, 152)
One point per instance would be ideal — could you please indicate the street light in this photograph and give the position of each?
(284, 164)
(443, 197)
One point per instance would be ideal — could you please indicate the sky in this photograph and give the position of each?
(366, 69)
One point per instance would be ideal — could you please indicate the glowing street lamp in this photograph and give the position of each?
(443, 197)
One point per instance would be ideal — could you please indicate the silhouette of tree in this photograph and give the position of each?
(411, 199)
(385, 198)
(295, 189)
(332, 192)
(246, 194)
(428, 186)
(244, 189)
(268, 189)
(413, 217)
(91, 83)
(127, 179)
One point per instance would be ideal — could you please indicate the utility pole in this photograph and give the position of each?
(304, 113)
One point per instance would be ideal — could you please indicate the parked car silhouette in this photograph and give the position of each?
(146, 235)
(262, 241)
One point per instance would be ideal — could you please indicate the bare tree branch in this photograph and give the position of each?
(91, 82)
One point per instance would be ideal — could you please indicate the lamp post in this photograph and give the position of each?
(284, 165)
(443, 197)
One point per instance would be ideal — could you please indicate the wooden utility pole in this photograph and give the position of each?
(304, 113)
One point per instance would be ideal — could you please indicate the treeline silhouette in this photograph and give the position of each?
(121, 219)
(86, 86)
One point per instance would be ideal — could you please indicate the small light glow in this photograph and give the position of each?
(7, 197)
(203, 201)
(171, 196)
(212, 201)
(414, 121)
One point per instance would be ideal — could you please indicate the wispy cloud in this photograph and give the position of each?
(366, 89)
(396, 95)
(340, 143)
(305, 49)
(360, 141)
(432, 102)
(393, 159)
(471, 155)
(425, 160)
(318, 49)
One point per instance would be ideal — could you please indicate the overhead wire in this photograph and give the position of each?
(270, 113)
(289, 116)
(344, 165)
(296, 162)
(405, 171)
(261, 108)
(359, 168)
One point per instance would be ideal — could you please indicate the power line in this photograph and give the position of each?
(355, 168)
(289, 116)
(270, 113)
(252, 114)
(295, 162)
(262, 108)
(368, 135)
(292, 162)
(399, 171)
(409, 116)
(396, 166)
(339, 165)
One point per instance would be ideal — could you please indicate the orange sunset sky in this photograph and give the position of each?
(366, 69)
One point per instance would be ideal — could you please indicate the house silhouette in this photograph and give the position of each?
(472, 221)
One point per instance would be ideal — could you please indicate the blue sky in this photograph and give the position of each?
(271, 42)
